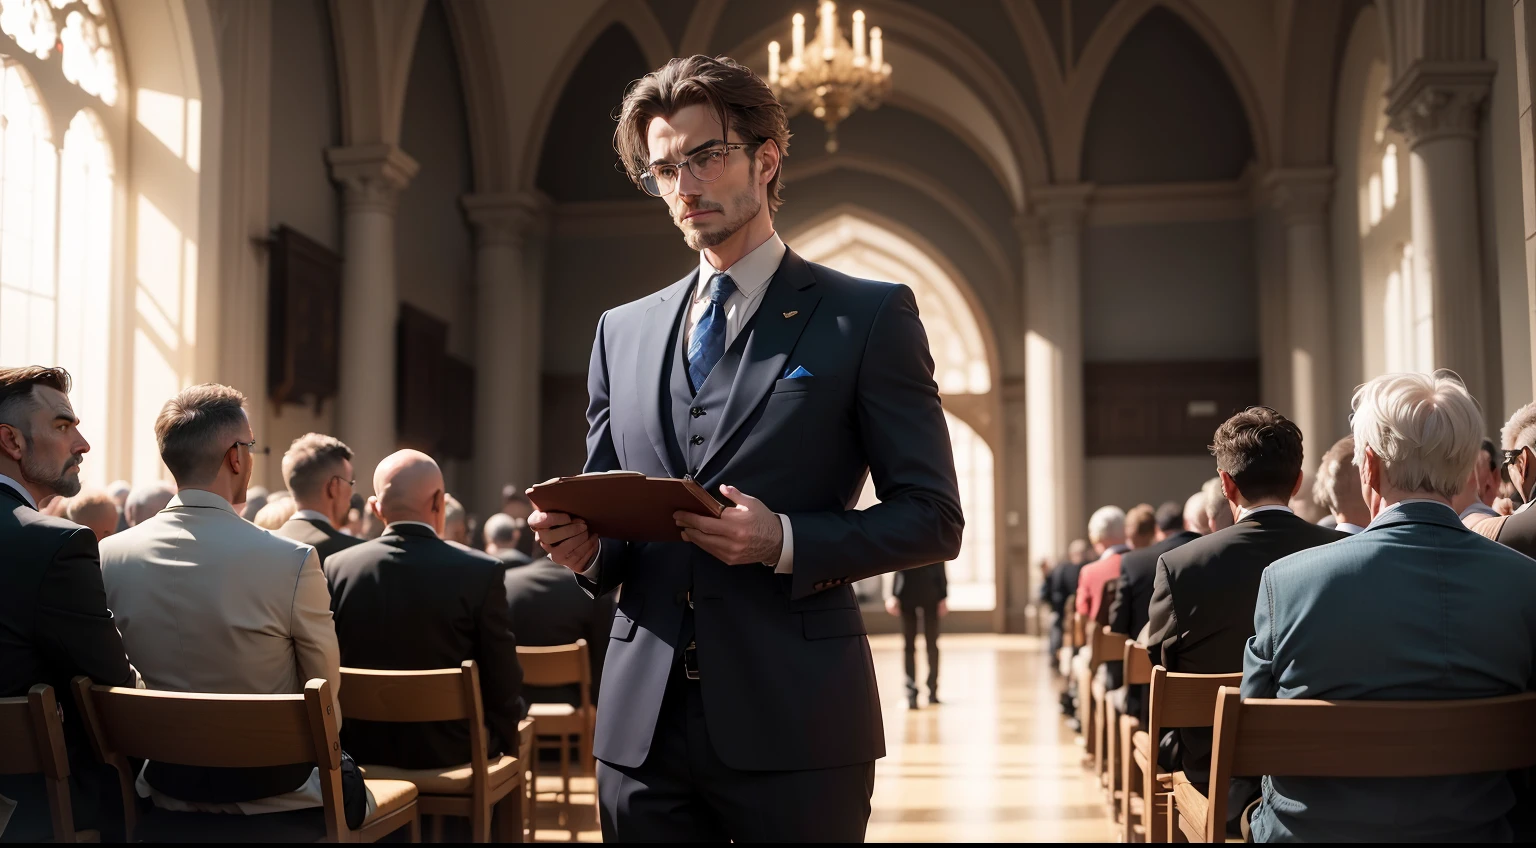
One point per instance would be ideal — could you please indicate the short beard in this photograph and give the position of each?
(62, 484)
(748, 205)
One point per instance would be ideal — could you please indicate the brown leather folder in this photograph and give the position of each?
(625, 505)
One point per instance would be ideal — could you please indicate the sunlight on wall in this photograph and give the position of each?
(174, 120)
(85, 282)
(164, 308)
(861, 248)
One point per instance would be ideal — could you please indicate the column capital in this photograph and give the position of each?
(1437, 100)
(1031, 229)
(1301, 194)
(372, 175)
(1063, 206)
(505, 217)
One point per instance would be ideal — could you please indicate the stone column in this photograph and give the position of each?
(1054, 368)
(506, 366)
(372, 177)
(1301, 195)
(1525, 82)
(1435, 106)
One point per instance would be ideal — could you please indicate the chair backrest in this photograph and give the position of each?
(439, 694)
(1107, 646)
(32, 734)
(1079, 629)
(1138, 665)
(559, 665)
(1184, 700)
(234, 731)
(1304, 738)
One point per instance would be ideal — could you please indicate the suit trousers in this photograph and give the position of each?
(684, 793)
(930, 615)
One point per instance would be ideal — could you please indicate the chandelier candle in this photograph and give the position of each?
(833, 81)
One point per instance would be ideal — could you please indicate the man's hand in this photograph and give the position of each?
(564, 538)
(892, 605)
(745, 534)
(943, 608)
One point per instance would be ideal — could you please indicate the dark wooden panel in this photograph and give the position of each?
(303, 319)
(458, 410)
(422, 354)
(1162, 408)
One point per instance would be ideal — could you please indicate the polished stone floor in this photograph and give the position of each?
(992, 763)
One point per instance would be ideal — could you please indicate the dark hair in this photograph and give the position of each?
(18, 391)
(1493, 454)
(1170, 517)
(196, 428)
(1140, 521)
(1261, 450)
(739, 97)
(511, 494)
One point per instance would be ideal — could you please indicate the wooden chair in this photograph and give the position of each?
(32, 742)
(1138, 672)
(237, 731)
(562, 665)
(525, 739)
(1302, 738)
(1174, 701)
(472, 790)
(1105, 646)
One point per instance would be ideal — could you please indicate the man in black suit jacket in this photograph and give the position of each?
(920, 590)
(318, 472)
(738, 651)
(409, 600)
(1204, 592)
(548, 608)
(54, 621)
(1128, 614)
(501, 540)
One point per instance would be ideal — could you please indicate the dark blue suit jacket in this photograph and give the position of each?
(787, 678)
(1417, 607)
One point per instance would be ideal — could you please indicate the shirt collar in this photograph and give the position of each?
(1351, 529)
(1478, 508)
(1405, 501)
(393, 524)
(201, 498)
(311, 515)
(1246, 511)
(750, 273)
(1113, 550)
(20, 490)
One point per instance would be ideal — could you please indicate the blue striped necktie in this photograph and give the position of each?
(708, 343)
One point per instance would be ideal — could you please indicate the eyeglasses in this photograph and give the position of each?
(706, 166)
(251, 446)
(1510, 456)
(352, 483)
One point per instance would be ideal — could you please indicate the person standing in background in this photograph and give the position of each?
(920, 592)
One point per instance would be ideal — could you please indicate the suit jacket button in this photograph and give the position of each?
(696, 440)
(696, 411)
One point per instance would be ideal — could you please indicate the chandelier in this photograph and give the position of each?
(834, 77)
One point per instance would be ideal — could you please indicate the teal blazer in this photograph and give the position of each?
(1417, 607)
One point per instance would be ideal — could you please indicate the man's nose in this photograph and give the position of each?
(687, 184)
(81, 445)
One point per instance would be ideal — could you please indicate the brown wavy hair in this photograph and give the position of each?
(731, 90)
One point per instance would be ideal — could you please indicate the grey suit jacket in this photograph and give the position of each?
(1417, 607)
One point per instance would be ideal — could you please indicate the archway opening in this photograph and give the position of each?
(854, 243)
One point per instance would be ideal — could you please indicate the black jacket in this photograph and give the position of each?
(320, 535)
(922, 586)
(1060, 586)
(1203, 599)
(1128, 614)
(548, 607)
(409, 600)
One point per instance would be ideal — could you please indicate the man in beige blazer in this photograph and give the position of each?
(208, 602)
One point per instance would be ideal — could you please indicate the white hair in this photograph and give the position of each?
(1426, 430)
(1107, 525)
(1215, 499)
(147, 500)
(1194, 514)
(1520, 432)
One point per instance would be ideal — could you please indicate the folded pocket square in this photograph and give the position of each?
(797, 373)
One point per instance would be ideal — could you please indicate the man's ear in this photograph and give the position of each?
(770, 160)
(1300, 476)
(12, 443)
(373, 507)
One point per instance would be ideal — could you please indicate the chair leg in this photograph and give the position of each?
(509, 815)
(1128, 781)
(435, 829)
(1175, 833)
(414, 828)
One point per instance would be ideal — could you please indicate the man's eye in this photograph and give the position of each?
(714, 155)
(666, 173)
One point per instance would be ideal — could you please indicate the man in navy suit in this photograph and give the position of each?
(739, 688)
(1416, 607)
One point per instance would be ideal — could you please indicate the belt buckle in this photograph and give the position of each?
(691, 661)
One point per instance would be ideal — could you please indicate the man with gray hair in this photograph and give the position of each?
(1106, 532)
(501, 536)
(317, 470)
(1415, 608)
(1518, 531)
(146, 501)
(1338, 488)
(1195, 519)
(1218, 513)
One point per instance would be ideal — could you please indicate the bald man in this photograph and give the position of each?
(411, 600)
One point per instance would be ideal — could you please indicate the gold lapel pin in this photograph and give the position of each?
(792, 313)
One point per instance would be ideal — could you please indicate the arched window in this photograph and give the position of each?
(28, 174)
(85, 273)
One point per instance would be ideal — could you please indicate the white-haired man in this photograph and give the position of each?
(1218, 514)
(1417, 607)
(1106, 532)
(1338, 488)
(1518, 531)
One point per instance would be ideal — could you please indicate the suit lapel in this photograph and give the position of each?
(780, 319)
(650, 364)
(20, 500)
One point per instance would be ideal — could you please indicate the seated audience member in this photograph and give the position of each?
(1195, 519)
(455, 523)
(517, 505)
(1415, 608)
(1485, 490)
(1106, 532)
(255, 499)
(1304, 507)
(1203, 593)
(207, 602)
(1060, 588)
(118, 491)
(1218, 514)
(275, 514)
(410, 600)
(54, 620)
(354, 523)
(318, 472)
(1338, 488)
(1128, 614)
(1518, 530)
(501, 537)
(94, 510)
(548, 608)
(146, 501)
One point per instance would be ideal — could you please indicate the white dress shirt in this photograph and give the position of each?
(20, 490)
(1247, 511)
(312, 515)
